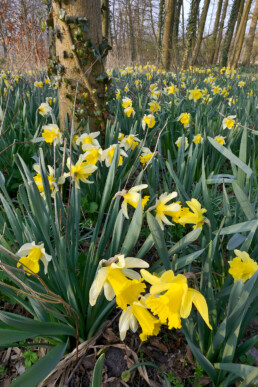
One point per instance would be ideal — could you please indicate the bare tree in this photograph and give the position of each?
(250, 37)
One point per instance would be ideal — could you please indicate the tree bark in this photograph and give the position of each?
(79, 62)
(221, 27)
(167, 36)
(229, 33)
(105, 18)
(200, 32)
(176, 27)
(160, 28)
(250, 38)
(131, 32)
(191, 31)
(240, 36)
(215, 31)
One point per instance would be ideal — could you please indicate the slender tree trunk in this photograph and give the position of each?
(221, 27)
(176, 29)
(168, 24)
(229, 33)
(160, 28)
(105, 18)
(250, 38)
(240, 36)
(79, 64)
(131, 32)
(191, 31)
(200, 32)
(215, 31)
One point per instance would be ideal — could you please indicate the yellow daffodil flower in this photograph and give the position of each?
(44, 109)
(113, 278)
(146, 156)
(107, 155)
(30, 254)
(228, 122)
(80, 171)
(176, 299)
(132, 197)
(130, 142)
(88, 138)
(154, 106)
(138, 314)
(129, 111)
(178, 141)
(148, 120)
(171, 89)
(220, 139)
(126, 102)
(241, 84)
(38, 84)
(163, 210)
(51, 180)
(51, 133)
(118, 93)
(195, 94)
(92, 154)
(184, 118)
(195, 217)
(198, 139)
(242, 266)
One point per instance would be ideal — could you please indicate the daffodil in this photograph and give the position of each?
(130, 142)
(195, 94)
(171, 89)
(242, 266)
(155, 93)
(92, 154)
(44, 109)
(120, 136)
(148, 120)
(132, 197)
(30, 254)
(51, 180)
(126, 102)
(51, 133)
(38, 84)
(129, 111)
(228, 122)
(146, 156)
(195, 217)
(118, 93)
(171, 299)
(138, 314)
(220, 139)
(88, 138)
(108, 154)
(80, 171)
(241, 84)
(198, 139)
(154, 106)
(178, 142)
(163, 210)
(113, 278)
(184, 118)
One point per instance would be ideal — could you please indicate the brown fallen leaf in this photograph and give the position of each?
(158, 344)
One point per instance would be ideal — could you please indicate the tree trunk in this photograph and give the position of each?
(200, 32)
(215, 31)
(168, 27)
(191, 31)
(229, 33)
(250, 38)
(221, 27)
(240, 36)
(79, 62)
(131, 32)
(176, 27)
(105, 18)
(160, 27)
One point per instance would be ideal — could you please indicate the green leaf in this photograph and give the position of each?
(8, 336)
(230, 156)
(185, 241)
(97, 372)
(34, 375)
(184, 261)
(243, 201)
(41, 328)
(240, 370)
(133, 232)
(159, 240)
(239, 227)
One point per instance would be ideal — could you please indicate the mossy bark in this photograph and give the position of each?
(220, 33)
(191, 31)
(80, 50)
(215, 31)
(167, 35)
